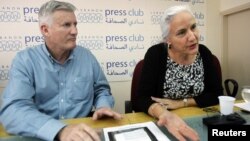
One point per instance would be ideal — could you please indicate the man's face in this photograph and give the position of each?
(62, 32)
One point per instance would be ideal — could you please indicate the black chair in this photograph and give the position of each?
(137, 75)
(228, 81)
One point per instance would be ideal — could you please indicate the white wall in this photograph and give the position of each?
(121, 92)
(228, 4)
(213, 27)
(235, 40)
(237, 49)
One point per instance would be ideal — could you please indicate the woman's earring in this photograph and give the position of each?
(169, 46)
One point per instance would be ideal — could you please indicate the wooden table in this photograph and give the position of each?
(129, 118)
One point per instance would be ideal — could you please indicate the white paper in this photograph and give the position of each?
(135, 132)
(136, 135)
(244, 106)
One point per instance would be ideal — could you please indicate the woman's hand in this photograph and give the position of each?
(169, 103)
(177, 127)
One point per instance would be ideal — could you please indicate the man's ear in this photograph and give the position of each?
(44, 30)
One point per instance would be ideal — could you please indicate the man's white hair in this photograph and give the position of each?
(48, 8)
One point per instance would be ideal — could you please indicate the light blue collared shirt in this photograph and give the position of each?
(41, 91)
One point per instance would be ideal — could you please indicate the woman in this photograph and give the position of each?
(177, 73)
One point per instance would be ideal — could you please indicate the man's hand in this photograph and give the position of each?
(106, 112)
(78, 132)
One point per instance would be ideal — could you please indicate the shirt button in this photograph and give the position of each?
(61, 100)
(61, 84)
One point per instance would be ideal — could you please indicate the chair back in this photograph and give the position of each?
(218, 67)
(227, 81)
(136, 79)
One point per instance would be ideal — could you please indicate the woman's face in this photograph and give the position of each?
(183, 35)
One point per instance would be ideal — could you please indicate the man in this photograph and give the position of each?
(55, 80)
